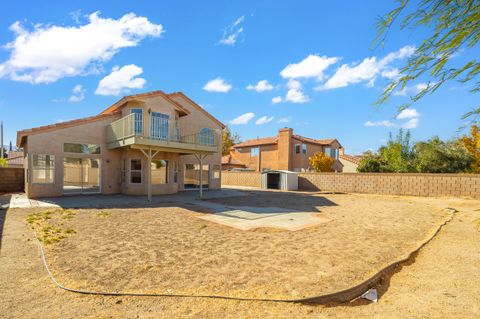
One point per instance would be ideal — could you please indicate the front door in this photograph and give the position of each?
(81, 175)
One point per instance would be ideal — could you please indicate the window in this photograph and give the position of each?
(327, 151)
(304, 148)
(254, 151)
(138, 121)
(135, 171)
(159, 126)
(175, 172)
(216, 171)
(334, 153)
(159, 171)
(43, 168)
(206, 136)
(81, 148)
(297, 148)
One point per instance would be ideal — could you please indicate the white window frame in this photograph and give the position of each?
(136, 170)
(32, 169)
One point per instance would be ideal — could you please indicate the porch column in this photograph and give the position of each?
(149, 157)
(200, 158)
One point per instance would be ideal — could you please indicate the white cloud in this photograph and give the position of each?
(412, 123)
(412, 89)
(50, 52)
(391, 74)
(264, 120)
(367, 70)
(284, 120)
(408, 114)
(379, 123)
(121, 80)
(232, 33)
(261, 86)
(311, 66)
(243, 119)
(217, 85)
(78, 94)
(295, 93)
(276, 100)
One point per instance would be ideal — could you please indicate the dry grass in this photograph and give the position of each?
(169, 250)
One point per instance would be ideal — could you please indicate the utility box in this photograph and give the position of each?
(279, 179)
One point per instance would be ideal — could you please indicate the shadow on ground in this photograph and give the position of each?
(4, 201)
(215, 201)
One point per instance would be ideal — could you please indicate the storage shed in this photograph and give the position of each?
(278, 179)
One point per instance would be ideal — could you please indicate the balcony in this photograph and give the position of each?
(162, 134)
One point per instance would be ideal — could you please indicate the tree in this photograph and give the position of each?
(437, 156)
(472, 144)
(3, 162)
(454, 27)
(228, 140)
(321, 162)
(370, 163)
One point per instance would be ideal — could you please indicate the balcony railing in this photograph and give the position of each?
(161, 131)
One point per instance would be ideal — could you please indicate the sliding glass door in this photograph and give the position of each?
(192, 176)
(81, 175)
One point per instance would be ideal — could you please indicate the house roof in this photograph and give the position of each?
(326, 141)
(258, 141)
(229, 160)
(274, 140)
(21, 135)
(355, 159)
(198, 107)
(114, 109)
(120, 103)
(17, 160)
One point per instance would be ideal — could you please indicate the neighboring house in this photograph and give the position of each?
(349, 162)
(150, 143)
(229, 163)
(15, 159)
(286, 151)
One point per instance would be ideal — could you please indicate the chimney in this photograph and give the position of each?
(285, 148)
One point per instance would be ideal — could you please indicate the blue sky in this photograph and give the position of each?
(255, 65)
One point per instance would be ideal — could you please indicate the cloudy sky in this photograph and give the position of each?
(256, 66)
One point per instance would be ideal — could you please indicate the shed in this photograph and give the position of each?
(279, 179)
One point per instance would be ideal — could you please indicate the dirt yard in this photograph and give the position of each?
(169, 250)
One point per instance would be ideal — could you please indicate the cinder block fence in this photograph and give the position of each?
(11, 180)
(463, 185)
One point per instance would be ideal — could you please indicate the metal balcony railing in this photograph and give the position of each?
(158, 128)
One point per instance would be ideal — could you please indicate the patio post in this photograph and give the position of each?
(149, 157)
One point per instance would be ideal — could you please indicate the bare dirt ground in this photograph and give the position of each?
(168, 249)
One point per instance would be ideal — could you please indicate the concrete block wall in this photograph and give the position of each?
(11, 179)
(251, 179)
(463, 185)
(435, 185)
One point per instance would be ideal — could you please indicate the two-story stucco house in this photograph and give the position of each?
(144, 144)
(286, 151)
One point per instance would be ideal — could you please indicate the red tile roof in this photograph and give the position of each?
(326, 141)
(24, 133)
(355, 159)
(117, 105)
(229, 160)
(258, 141)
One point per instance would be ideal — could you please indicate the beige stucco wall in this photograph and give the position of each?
(348, 167)
(51, 142)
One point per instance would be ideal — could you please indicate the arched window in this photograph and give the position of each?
(206, 136)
